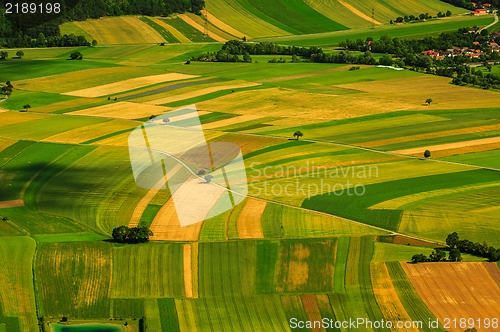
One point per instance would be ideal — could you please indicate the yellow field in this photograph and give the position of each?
(166, 226)
(176, 33)
(297, 104)
(450, 146)
(249, 223)
(86, 133)
(8, 118)
(123, 110)
(130, 84)
(223, 26)
(120, 30)
(188, 279)
(6, 142)
(82, 78)
(66, 104)
(199, 27)
(467, 291)
(231, 121)
(357, 12)
(385, 294)
(16, 296)
(445, 95)
(200, 92)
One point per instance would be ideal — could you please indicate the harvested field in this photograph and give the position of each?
(386, 296)
(231, 121)
(10, 118)
(443, 133)
(146, 200)
(86, 133)
(249, 220)
(63, 105)
(188, 277)
(447, 96)
(198, 27)
(166, 226)
(123, 110)
(11, 204)
(200, 92)
(130, 84)
(456, 290)
(357, 12)
(450, 146)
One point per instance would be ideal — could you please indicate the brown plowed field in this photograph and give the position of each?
(457, 290)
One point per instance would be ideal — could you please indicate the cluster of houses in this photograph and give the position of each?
(464, 51)
(481, 9)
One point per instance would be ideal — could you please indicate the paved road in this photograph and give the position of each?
(492, 24)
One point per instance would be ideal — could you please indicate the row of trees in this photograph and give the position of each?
(233, 49)
(124, 234)
(18, 31)
(473, 248)
(25, 41)
(438, 255)
(421, 17)
(458, 247)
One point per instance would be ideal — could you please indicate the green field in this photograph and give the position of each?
(301, 245)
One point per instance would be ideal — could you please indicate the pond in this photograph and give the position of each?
(86, 328)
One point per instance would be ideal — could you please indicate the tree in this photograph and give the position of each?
(295, 58)
(427, 154)
(4, 55)
(419, 258)
(166, 120)
(19, 54)
(453, 240)
(247, 57)
(26, 107)
(385, 60)
(428, 101)
(76, 56)
(455, 255)
(208, 178)
(437, 256)
(64, 319)
(244, 38)
(298, 134)
(94, 43)
(120, 234)
(448, 13)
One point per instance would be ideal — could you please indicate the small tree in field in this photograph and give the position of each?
(208, 178)
(428, 101)
(298, 134)
(455, 255)
(20, 54)
(26, 107)
(94, 43)
(4, 55)
(76, 56)
(427, 154)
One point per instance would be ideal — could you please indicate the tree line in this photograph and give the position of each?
(43, 30)
(457, 247)
(233, 49)
(421, 17)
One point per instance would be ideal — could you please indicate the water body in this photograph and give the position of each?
(86, 328)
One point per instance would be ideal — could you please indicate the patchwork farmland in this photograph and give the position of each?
(331, 218)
